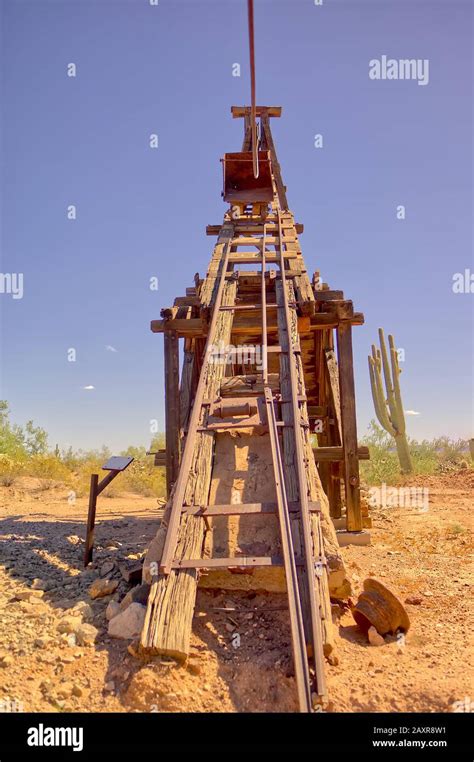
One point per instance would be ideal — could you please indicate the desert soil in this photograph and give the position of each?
(241, 657)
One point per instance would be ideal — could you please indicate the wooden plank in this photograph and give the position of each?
(245, 324)
(241, 509)
(249, 227)
(349, 427)
(250, 257)
(170, 608)
(333, 386)
(172, 414)
(268, 144)
(184, 327)
(229, 562)
(160, 458)
(315, 491)
(336, 454)
(242, 111)
(330, 320)
(329, 296)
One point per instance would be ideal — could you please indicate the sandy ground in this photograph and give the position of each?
(240, 658)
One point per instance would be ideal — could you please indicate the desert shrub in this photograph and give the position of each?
(48, 467)
(383, 466)
(143, 478)
(428, 457)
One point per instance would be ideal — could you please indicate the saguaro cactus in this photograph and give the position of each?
(389, 409)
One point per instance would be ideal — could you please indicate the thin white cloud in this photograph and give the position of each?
(411, 412)
(88, 388)
(110, 348)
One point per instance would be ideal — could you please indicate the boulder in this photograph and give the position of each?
(129, 623)
(138, 594)
(112, 610)
(102, 587)
(374, 638)
(86, 635)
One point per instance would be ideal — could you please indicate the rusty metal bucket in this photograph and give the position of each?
(379, 607)
(240, 185)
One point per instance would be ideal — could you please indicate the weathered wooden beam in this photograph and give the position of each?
(250, 257)
(243, 111)
(349, 427)
(242, 509)
(321, 320)
(184, 327)
(333, 386)
(245, 324)
(269, 145)
(249, 227)
(172, 414)
(329, 296)
(320, 525)
(168, 620)
(336, 454)
(160, 458)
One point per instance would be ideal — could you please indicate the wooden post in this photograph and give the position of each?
(349, 426)
(172, 415)
(91, 519)
(334, 429)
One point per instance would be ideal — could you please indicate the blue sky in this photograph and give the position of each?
(142, 212)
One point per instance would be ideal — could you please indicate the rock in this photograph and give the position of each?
(138, 594)
(69, 624)
(102, 587)
(129, 623)
(84, 610)
(44, 642)
(67, 659)
(74, 539)
(414, 600)
(113, 608)
(110, 686)
(6, 660)
(39, 584)
(374, 638)
(77, 691)
(107, 568)
(65, 690)
(133, 649)
(193, 667)
(29, 595)
(86, 635)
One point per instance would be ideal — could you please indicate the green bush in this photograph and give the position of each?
(428, 457)
(24, 452)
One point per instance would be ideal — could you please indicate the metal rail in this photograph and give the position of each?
(298, 640)
(300, 572)
(315, 633)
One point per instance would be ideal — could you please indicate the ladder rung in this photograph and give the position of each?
(236, 562)
(241, 424)
(229, 563)
(229, 307)
(238, 509)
